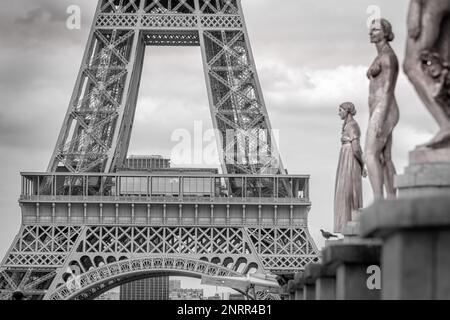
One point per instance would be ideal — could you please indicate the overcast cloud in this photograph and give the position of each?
(311, 56)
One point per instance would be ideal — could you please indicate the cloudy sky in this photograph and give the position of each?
(311, 55)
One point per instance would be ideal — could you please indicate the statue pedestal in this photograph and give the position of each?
(427, 175)
(415, 262)
(415, 230)
(349, 262)
(342, 275)
(295, 288)
(324, 279)
(309, 291)
(305, 287)
(326, 288)
(352, 232)
(352, 229)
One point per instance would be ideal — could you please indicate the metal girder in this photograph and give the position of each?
(95, 137)
(97, 129)
(47, 259)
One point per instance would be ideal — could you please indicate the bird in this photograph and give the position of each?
(328, 235)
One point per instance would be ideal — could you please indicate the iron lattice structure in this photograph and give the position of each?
(86, 229)
(97, 128)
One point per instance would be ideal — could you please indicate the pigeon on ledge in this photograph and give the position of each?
(328, 235)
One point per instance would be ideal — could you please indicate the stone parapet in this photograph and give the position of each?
(324, 279)
(350, 262)
(415, 262)
(428, 174)
(388, 216)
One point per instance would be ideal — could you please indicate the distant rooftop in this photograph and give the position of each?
(153, 162)
(212, 171)
(146, 157)
(159, 164)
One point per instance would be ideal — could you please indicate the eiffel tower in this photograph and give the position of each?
(88, 226)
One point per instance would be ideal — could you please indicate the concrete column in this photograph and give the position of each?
(298, 295)
(351, 261)
(309, 292)
(323, 279)
(326, 288)
(351, 283)
(415, 262)
(295, 287)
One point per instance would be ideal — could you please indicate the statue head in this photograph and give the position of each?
(345, 109)
(380, 30)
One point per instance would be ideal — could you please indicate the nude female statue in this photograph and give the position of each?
(384, 111)
(427, 61)
(348, 195)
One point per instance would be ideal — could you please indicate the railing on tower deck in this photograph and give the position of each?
(164, 187)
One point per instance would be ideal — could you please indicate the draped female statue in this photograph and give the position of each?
(348, 194)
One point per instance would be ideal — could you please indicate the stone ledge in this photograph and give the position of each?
(315, 271)
(293, 286)
(351, 253)
(351, 229)
(386, 216)
(306, 281)
(424, 175)
(427, 155)
(356, 215)
(296, 284)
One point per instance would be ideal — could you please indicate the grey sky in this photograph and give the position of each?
(311, 56)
